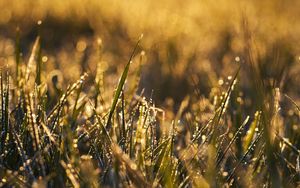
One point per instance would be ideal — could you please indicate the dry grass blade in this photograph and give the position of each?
(289, 144)
(31, 65)
(135, 175)
(72, 177)
(296, 105)
(34, 130)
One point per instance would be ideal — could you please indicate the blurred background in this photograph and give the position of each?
(190, 46)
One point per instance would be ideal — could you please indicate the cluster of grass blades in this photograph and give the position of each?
(78, 142)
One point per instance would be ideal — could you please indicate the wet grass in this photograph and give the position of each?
(89, 135)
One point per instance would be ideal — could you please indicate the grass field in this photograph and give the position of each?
(149, 93)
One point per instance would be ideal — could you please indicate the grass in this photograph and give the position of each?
(81, 136)
(208, 98)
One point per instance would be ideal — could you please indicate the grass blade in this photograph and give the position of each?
(120, 85)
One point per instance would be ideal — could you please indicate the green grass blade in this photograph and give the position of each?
(120, 86)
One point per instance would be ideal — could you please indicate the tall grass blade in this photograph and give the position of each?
(120, 85)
